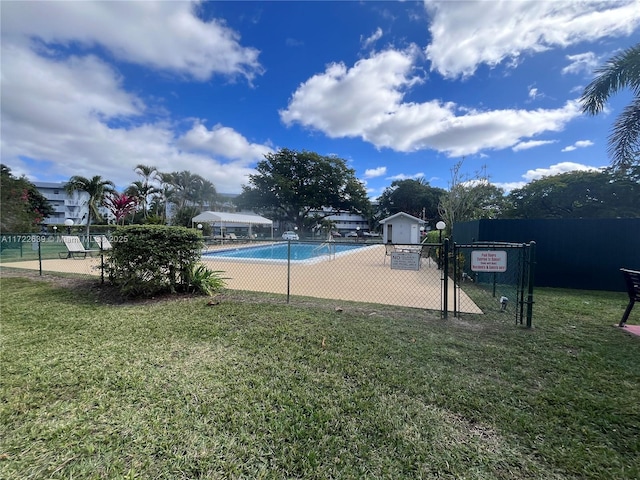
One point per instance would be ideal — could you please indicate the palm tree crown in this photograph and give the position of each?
(96, 187)
(621, 71)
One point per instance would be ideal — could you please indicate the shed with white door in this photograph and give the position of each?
(401, 228)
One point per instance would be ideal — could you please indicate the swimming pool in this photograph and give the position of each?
(300, 252)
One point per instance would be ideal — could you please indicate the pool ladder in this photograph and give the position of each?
(331, 249)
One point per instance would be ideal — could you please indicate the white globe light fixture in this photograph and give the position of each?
(441, 226)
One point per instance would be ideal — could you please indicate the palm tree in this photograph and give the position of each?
(96, 187)
(141, 191)
(148, 173)
(206, 193)
(621, 71)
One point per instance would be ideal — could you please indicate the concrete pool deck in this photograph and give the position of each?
(362, 275)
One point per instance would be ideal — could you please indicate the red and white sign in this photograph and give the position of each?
(488, 261)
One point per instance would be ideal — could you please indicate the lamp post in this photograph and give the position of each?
(440, 226)
(68, 222)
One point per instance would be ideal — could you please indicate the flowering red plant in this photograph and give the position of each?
(120, 205)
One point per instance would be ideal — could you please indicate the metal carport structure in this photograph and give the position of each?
(224, 218)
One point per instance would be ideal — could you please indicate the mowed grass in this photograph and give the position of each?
(255, 388)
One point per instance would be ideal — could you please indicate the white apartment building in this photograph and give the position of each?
(66, 206)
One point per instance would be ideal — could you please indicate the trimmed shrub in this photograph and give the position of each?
(150, 259)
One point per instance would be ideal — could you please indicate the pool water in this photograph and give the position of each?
(279, 251)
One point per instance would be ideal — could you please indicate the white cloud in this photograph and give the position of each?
(533, 93)
(581, 63)
(223, 141)
(556, 169)
(366, 101)
(375, 172)
(162, 35)
(576, 145)
(403, 176)
(73, 114)
(531, 144)
(373, 38)
(468, 34)
(509, 186)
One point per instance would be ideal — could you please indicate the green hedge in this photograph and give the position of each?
(151, 259)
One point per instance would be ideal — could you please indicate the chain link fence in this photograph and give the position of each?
(497, 277)
(429, 276)
(47, 252)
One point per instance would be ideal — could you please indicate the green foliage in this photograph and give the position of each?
(293, 186)
(469, 198)
(185, 188)
(593, 194)
(151, 259)
(415, 197)
(96, 187)
(183, 215)
(22, 207)
(205, 281)
(621, 71)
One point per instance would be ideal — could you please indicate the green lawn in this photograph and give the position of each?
(254, 388)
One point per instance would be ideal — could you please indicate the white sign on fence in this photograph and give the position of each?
(405, 261)
(488, 261)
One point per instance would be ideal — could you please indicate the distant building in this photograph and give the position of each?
(345, 222)
(66, 206)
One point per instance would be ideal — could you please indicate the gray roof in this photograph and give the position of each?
(225, 217)
(402, 215)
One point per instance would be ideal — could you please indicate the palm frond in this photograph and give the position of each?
(621, 71)
(624, 141)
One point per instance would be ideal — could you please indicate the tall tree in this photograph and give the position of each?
(490, 201)
(184, 187)
(22, 206)
(145, 188)
(465, 195)
(141, 191)
(301, 188)
(205, 194)
(413, 196)
(96, 187)
(621, 71)
(611, 193)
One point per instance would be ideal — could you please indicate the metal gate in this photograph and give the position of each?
(496, 276)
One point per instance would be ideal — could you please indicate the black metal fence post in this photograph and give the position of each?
(445, 279)
(39, 258)
(532, 262)
(455, 279)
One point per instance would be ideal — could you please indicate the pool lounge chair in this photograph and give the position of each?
(103, 242)
(75, 249)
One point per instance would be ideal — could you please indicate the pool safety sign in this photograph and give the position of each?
(405, 261)
(488, 261)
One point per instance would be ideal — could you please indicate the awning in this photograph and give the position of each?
(226, 218)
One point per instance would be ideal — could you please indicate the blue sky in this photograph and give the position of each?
(397, 89)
